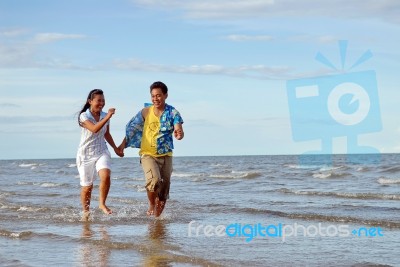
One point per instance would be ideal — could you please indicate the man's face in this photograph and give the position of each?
(158, 98)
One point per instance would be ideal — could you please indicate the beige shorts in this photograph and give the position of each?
(157, 171)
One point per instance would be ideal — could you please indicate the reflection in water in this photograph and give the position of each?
(157, 231)
(156, 255)
(86, 231)
(94, 252)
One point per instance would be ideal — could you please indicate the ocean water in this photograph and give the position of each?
(223, 211)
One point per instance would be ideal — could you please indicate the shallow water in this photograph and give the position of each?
(340, 213)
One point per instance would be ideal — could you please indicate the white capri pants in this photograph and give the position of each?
(88, 168)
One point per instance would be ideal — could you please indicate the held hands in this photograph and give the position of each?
(119, 151)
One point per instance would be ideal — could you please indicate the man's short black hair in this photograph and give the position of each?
(160, 85)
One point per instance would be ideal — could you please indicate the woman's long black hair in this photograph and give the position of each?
(87, 105)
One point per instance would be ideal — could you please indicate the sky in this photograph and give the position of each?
(227, 65)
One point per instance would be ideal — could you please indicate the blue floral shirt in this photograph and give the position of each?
(134, 130)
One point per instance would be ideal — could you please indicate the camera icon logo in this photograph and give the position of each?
(341, 105)
(348, 103)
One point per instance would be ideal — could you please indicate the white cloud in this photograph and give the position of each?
(211, 9)
(386, 10)
(24, 53)
(254, 71)
(16, 55)
(9, 105)
(328, 39)
(12, 32)
(227, 9)
(32, 119)
(200, 123)
(53, 37)
(31, 107)
(37, 125)
(242, 37)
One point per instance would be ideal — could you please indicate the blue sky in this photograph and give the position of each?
(226, 64)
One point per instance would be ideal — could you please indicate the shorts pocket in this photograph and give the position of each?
(151, 181)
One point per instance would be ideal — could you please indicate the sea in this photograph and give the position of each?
(282, 210)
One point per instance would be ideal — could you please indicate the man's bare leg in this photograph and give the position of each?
(152, 202)
(160, 205)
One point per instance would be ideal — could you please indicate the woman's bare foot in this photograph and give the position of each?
(105, 209)
(85, 216)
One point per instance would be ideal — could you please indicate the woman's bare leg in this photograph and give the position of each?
(105, 183)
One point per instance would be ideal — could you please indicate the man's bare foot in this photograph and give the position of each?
(159, 207)
(150, 211)
(105, 209)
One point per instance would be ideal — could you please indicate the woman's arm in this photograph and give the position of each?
(123, 144)
(110, 140)
(95, 128)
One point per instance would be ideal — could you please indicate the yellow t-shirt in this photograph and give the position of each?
(151, 131)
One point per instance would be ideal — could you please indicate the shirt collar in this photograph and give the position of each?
(89, 114)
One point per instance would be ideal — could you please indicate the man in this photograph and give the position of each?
(151, 130)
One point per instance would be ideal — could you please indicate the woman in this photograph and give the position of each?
(93, 155)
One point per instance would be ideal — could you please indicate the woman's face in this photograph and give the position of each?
(97, 103)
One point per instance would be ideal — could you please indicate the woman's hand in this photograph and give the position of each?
(119, 151)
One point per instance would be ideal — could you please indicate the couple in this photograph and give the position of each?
(150, 130)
